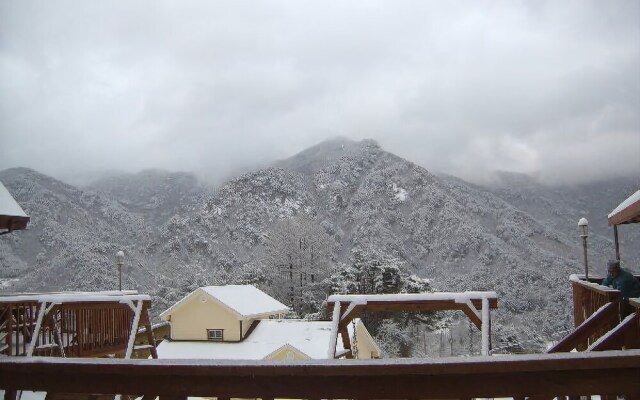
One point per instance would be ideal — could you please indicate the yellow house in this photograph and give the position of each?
(242, 322)
(221, 313)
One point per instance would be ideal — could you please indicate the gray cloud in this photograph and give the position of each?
(550, 88)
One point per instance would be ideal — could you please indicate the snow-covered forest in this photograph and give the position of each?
(341, 217)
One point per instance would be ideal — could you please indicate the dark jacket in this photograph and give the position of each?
(625, 282)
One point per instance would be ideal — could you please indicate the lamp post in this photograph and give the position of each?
(583, 224)
(120, 262)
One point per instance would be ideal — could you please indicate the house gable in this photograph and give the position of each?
(200, 316)
(246, 301)
(287, 352)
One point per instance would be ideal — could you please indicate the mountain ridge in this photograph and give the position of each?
(462, 236)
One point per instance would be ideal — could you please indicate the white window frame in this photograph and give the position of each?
(215, 335)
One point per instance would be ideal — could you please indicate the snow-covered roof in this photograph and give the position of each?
(309, 337)
(11, 214)
(245, 300)
(627, 212)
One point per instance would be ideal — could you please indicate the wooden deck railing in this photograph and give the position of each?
(549, 375)
(599, 313)
(71, 330)
(589, 297)
(17, 323)
(583, 335)
(67, 329)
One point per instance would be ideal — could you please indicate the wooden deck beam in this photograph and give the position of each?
(418, 306)
(471, 303)
(612, 372)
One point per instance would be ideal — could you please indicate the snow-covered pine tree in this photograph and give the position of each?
(373, 271)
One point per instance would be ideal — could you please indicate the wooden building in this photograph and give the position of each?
(74, 324)
(240, 322)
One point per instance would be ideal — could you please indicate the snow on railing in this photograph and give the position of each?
(461, 297)
(77, 297)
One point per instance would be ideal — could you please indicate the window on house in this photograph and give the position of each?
(215, 334)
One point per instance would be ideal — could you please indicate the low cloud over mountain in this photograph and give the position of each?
(516, 237)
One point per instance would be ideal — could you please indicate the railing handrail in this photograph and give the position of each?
(610, 372)
(596, 287)
(590, 326)
(66, 298)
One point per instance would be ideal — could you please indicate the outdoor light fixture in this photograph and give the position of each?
(120, 262)
(583, 224)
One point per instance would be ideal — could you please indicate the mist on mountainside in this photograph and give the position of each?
(516, 237)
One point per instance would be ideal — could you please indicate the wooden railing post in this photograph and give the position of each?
(578, 303)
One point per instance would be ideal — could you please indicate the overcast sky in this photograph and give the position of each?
(551, 88)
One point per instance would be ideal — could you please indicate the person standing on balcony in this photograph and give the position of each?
(621, 280)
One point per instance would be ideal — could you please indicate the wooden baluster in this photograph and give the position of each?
(9, 330)
(80, 331)
(17, 331)
(20, 328)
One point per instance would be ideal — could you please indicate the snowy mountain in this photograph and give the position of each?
(562, 206)
(515, 238)
(71, 238)
(156, 194)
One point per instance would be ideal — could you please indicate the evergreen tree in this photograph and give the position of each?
(374, 272)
